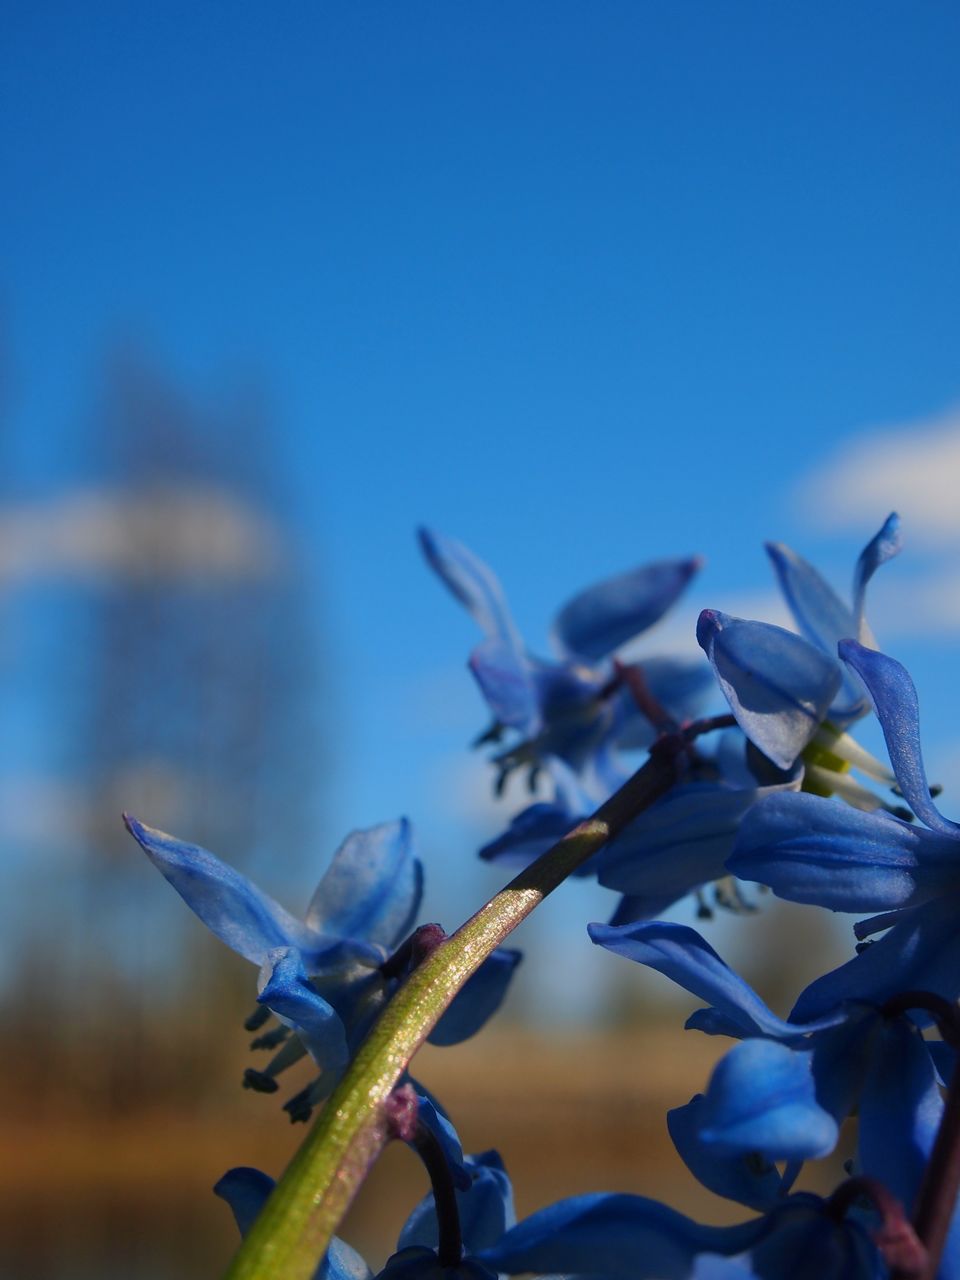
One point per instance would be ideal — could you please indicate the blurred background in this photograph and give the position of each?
(583, 286)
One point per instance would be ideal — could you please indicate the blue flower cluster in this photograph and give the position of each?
(771, 800)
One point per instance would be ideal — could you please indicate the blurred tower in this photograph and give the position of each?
(189, 673)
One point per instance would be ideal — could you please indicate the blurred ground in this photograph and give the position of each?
(108, 1196)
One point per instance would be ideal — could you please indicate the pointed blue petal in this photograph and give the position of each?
(895, 699)
(745, 1179)
(714, 1023)
(230, 905)
(288, 992)
(676, 845)
(534, 829)
(507, 685)
(817, 610)
(682, 955)
(478, 1000)
(920, 953)
(471, 581)
(372, 888)
(883, 546)
(531, 832)
(245, 1191)
(841, 1056)
(822, 618)
(779, 686)
(761, 1098)
(485, 1207)
(813, 850)
(900, 1110)
(622, 1237)
(606, 615)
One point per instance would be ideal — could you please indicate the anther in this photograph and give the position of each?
(256, 1019)
(300, 1107)
(259, 1081)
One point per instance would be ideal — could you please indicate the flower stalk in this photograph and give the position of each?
(295, 1227)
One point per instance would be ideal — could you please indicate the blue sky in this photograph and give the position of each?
(583, 285)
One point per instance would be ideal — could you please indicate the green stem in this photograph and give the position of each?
(297, 1223)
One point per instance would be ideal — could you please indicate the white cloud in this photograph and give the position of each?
(161, 532)
(913, 468)
(922, 605)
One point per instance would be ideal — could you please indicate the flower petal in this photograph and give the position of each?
(744, 1179)
(622, 1237)
(245, 1191)
(818, 611)
(499, 663)
(288, 992)
(478, 999)
(682, 955)
(895, 699)
(606, 615)
(883, 546)
(531, 832)
(471, 581)
(900, 1110)
(231, 906)
(372, 888)
(676, 845)
(507, 685)
(779, 686)
(810, 849)
(761, 1098)
(920, 953)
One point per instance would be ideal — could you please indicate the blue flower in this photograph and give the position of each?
(571, 708)
(780, 1095)
(327, 976)
(813, 850)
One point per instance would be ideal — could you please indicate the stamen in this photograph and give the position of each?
(256, 1019)
(850, 751)
(300, 1107)
(270, 1039)
(825, 781)
(259, 1081)
(729, 895)
(263, 1081)
(491, 735)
